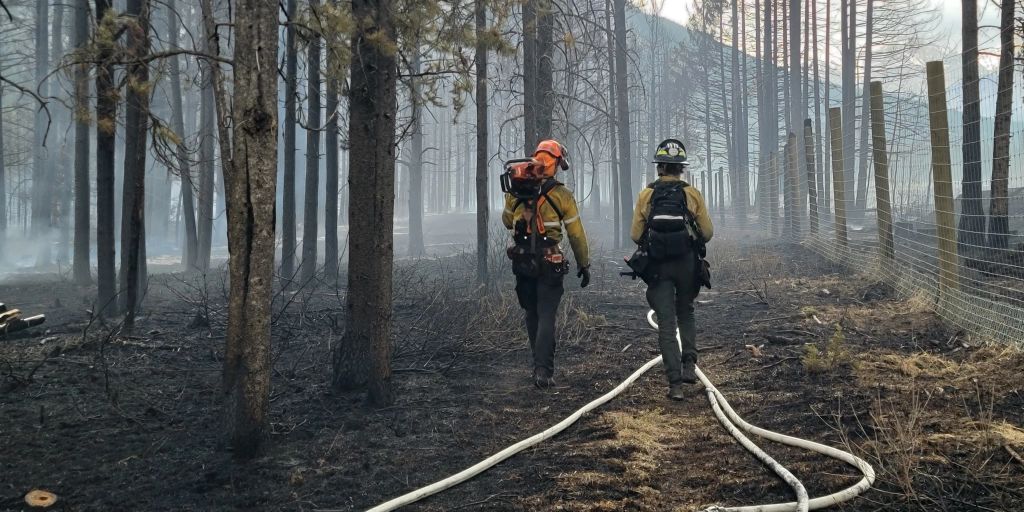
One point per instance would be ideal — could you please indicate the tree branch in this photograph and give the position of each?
(39, 99)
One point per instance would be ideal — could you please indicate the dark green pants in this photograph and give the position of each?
(540, 298)
(671, 297)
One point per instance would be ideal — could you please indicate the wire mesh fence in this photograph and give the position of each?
(933, 203)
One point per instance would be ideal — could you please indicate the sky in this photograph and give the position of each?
(678, 11)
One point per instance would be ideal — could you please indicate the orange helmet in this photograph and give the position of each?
(555, 149)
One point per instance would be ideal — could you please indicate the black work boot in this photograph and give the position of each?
(676, 391)
(542, 378)
(689, 371)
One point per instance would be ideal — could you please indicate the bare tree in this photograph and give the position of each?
(416, 247)
(312, 210)
(288, 236)
(364, 354)
(998, 222)
(80, 36)
(133, 236)
(188, 207)
(40, 182)
(971, 230)
(3, 180)
(482, 204)
(622, 104)
(822, 189)
(58, 197)
(250, 170)
(106, 124)
(331, 150)
(544, 102)
(207, 140)
(797, 114)
(613, 156)
(530, 70)
(862, 169)
(849, 44)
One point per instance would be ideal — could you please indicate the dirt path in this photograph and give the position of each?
(134, 426)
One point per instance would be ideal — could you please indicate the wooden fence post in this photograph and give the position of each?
(883, 201)
(812, 181)
(941, 174)
(835, 122)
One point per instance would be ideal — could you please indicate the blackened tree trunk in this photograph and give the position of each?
(612, 136)
(136, 128)
(40, 182)
(364, 354)
(622, 105)
(971, 229)
(821, 189)
(827, 141)
(863, 172)
(3, 182)
(188, 206)
(530, 69)
(849, 41)
(313, 120)
(416, 247)
(764, 89)
(288, 240)
(80, 36)
(739, 121)
(207, 176)
(249, 159)
(331, 178)
(545, 100)
(106, 128)
(797, 114)
(998, 222)
(58, 168)
(482, 203)
(727, 113)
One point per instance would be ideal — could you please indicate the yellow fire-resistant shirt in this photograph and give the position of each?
(553, 226)
(694, 203)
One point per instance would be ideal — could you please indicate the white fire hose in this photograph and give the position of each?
(729, 419)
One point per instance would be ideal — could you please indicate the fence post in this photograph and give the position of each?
(883, 202)
(943, 182)
(812, 181)
(835, 122)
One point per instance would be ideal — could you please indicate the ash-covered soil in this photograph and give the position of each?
(109, 421)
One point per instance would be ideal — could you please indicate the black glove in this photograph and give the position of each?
(585, 274)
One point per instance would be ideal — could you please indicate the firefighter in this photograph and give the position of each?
(538, 210)
(672, 224)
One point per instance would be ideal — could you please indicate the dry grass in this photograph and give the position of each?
(633, 449)
(938, 416)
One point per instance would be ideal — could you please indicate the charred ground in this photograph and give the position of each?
(116, 422)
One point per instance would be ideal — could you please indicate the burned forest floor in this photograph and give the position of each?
(111, 421)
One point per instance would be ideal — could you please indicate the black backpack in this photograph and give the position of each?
(670, 222)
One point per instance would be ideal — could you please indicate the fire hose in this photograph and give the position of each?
(726, 416)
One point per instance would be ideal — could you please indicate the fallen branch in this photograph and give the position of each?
(1013, 453)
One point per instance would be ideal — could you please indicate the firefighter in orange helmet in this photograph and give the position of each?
(538, 210)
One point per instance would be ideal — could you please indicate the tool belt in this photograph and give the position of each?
(530, 262)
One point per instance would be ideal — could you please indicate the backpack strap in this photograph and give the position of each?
(548, 186)
(535, 204)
